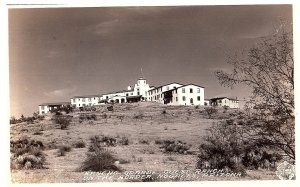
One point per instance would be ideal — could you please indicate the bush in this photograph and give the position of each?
(227, 147)
(27, 154)
(139, 115)
(142, 141)
(79, 144)
(63, 121)
(158, 142)
(210, 111)
(175, 146)
(84, 117)
(124, 140)
(95, 144)
(99, 161)
(63, 149)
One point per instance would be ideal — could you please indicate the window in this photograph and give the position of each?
(131, 93)
(127, 94)
(78, 104)
(191, 90)
(220, 101)
(183, 98)
(191, 100)
(106, 97)
(198, 90)
(176, 99)
(198, 98)
(83, 100)
(83, 105)
(183, 90)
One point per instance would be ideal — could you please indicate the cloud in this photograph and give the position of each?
(104, 28)
(61, 92)
(52, 54)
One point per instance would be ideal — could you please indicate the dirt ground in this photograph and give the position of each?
(185, 123)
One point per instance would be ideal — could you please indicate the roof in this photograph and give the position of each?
(185, 86)
(86, 96)
(56, 103)
(217, 98)
(135, 96)
(121, 91)
(167, 85)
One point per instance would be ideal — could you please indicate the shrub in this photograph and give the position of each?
(38, 133)
(63, 149)
(27, 154)
(99, 161)
(226, 146)
(143, 141)
(210, 111)
(139, 115)
(175, 146)
(124, 140)
(225, 107)
(95, 144)
(63, 121)
(158, 141)
(79, 144)
(121, 118)
(94, 117)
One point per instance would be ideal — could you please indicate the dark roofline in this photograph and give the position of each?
(121, 91)
(186, 85)
(134, 96)
(216, 98)
(56, 103)
(167, 84)
(86, 96)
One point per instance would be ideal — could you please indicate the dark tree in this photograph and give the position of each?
(267, 68)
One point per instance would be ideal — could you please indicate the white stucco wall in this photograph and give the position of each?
(84, 101)
(188, 96)
(157, 93)
(43, 109)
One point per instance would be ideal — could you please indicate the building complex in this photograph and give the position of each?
(171, 94)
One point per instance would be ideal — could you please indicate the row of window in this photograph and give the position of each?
(191, 90)
(183, 90)
(184, 98)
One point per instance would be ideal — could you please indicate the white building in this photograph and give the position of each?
(48, 107)
(172, 93)
(225, 101)
(189, 94)
(157, 93)
(85, 100)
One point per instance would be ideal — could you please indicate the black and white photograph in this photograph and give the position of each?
(151, 93)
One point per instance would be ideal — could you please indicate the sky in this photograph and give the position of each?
(58, 53)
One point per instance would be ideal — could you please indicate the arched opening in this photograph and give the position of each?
(122, 100)
(117, 101)
(191, 101)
